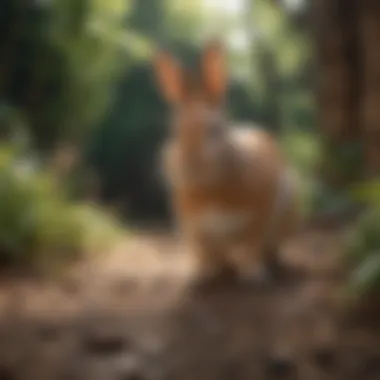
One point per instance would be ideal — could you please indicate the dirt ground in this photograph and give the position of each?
(134, 315)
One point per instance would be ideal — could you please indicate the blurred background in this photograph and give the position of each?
(79, 103)
(82, 123)
(78, 91)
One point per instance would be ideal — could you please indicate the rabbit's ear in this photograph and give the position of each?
(214, 71)
(170, 76)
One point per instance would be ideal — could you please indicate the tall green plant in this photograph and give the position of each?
(363, 242)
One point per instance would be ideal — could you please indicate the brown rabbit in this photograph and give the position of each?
(233, 194)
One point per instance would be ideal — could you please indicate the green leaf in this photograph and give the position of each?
(367, 276)
(368, 193)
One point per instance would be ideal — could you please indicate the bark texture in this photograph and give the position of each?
(347, 41)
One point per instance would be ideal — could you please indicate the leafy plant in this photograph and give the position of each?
(363, 241)
(38, 222)
(303, 151)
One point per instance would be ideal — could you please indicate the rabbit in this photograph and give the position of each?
(234, 196)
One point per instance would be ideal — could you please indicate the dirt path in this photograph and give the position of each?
(132, 315)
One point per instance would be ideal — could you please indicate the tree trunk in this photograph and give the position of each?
(369, 17)
(339, 84)
(347, 40)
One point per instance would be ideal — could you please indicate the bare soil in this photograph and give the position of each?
(134, 315)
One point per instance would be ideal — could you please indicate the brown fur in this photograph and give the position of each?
(237, 173)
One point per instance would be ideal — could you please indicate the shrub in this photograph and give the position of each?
(363, 242)
(303, 151)
(39, 224)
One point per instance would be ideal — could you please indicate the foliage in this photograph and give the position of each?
(342, 162)
(64, 58)
(303, 151)
(306, 152)
(363, 241)
(280, 70)
(38, 223)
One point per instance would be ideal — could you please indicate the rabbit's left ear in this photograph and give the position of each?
(170, 76)
(214, 71)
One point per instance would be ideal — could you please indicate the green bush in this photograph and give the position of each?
(363, 242)
(39, 224)
(303, 151)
